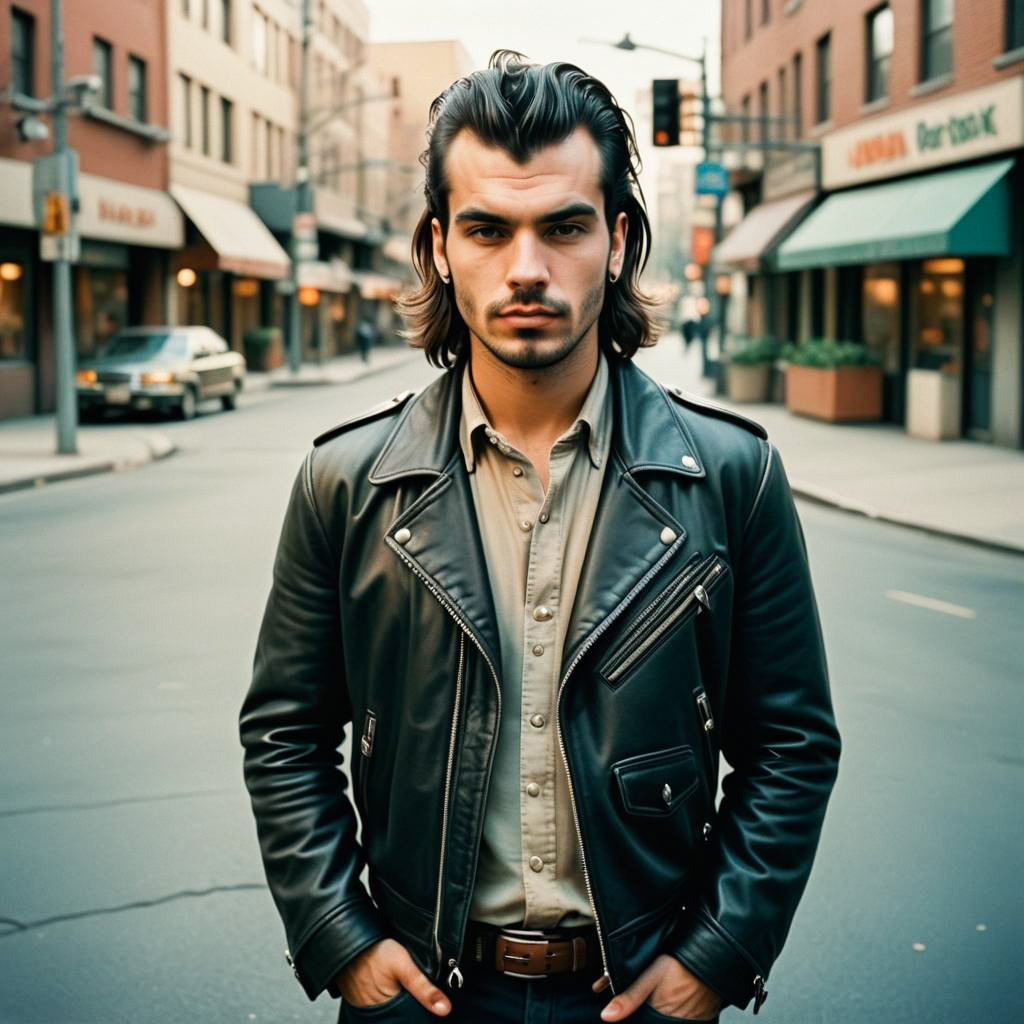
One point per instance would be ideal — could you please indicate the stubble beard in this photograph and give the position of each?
(515, 354)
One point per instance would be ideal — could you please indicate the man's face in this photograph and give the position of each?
(528, 247)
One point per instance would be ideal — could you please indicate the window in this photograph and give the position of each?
(226, 112)
(186, 8)
(783, 111)
(745, 123)
(205, 20)
(879, 33)
(13, 310)
(186, 110)
(103, 66)
(762, 111)
(936, 38)
(270, 150)
(798, 105)
(766, 11)
(748, 18)
(823, 78)
(204, 119)
(259, 41)
(225, 21)
(1014, 24)
(137, 88)
(23, 48)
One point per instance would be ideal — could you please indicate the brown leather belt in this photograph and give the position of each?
(521, 953)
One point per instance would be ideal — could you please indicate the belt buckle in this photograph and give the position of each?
(525, 937)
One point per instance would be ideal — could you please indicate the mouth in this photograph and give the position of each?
(528, 316)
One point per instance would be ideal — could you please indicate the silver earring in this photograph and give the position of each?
(447, 280)
(613, 277)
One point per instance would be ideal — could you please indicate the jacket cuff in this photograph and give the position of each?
(341, 937)
(707, 950)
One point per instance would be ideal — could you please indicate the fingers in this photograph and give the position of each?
(420, 987)
(627, 1001)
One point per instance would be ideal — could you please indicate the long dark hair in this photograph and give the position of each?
(521, 108)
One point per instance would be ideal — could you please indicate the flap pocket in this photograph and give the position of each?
(656, 784)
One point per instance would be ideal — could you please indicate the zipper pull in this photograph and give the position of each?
(702, 597)
(369, 731)
(704, 705)
(455, 978)
(760, 993)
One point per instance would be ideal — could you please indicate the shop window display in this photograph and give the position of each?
(12, 311)
(939, 328)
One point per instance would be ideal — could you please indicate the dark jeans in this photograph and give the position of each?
(490, 998)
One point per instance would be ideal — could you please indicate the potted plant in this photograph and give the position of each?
(263, 348)
(833, 380)
(748, 372)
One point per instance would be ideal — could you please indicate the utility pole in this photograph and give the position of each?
(64, 339)
(304, 226)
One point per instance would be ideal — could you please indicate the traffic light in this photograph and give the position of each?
(56, 214)
(691, 118)
(665, 111)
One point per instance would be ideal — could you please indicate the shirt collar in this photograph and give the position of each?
(595, 413)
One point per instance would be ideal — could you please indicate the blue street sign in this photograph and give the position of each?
(712, 180)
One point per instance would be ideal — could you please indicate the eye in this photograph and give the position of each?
(485, 232)
(567, 230)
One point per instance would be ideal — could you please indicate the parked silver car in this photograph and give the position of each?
(166, 369)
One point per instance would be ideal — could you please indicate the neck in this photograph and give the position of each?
(533, 407)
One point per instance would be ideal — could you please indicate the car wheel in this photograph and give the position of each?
(230, 401)
(188, 406)
(90, 414)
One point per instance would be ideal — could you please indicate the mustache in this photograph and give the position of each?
(529, 297)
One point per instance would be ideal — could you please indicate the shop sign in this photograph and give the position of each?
(116, 211)
(962, 127)
(712, 179)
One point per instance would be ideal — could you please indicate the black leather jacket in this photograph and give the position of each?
(695, 631)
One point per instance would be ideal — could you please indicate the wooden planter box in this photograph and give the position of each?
(843, 393)
(748, 382)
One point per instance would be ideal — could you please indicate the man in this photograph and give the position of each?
(547, 592)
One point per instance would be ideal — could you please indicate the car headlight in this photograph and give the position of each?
(157, 377)
(86, 378)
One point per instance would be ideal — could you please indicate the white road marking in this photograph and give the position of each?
(932, 603)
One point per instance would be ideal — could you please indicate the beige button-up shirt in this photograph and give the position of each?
(530, 870)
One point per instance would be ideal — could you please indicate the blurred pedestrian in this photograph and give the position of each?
(546, 592)
(366, 336)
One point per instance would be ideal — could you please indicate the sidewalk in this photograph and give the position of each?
(966, 490)
(27, 444)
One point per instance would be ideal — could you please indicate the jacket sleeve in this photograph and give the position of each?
(291, 727)
(779, 735)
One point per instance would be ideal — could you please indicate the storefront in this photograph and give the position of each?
(224, 276)
(127, 235)
(924, 265)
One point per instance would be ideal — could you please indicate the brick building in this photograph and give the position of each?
(127, 221)
(905, 230)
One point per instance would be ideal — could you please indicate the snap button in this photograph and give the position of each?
(537, 721)
(543, 517)
(666, 794)
(517, 470)
(536, 864)
(542, 613)
(525, 525)
(538, 649)
(668, 535)
(533, 789)
(689, 462)
(403, 536)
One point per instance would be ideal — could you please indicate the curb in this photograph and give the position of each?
(829, 499)
(159, 447)
(326, 381)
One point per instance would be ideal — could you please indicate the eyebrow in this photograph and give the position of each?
(577, 209)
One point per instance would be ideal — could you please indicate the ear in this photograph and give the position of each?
(440, 259)
(617, 254)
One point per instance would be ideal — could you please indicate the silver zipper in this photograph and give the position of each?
(673, 617)
(590, 641)
(704, 705)
(447, 792)
(454, 975)
(369, 731)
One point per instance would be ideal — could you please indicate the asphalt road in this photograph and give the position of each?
(130, 883)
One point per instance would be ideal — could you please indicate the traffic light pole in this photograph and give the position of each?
(63, 327)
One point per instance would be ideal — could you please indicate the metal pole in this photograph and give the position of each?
(63, 327)
(303, 198)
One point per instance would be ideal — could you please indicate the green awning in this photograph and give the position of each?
(963, 212)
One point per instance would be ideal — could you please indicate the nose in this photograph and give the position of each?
(527, 266)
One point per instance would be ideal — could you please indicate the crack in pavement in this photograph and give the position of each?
(15, 927)
(45, 808)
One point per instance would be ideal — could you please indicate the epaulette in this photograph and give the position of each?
(392, 405)
(702, 405)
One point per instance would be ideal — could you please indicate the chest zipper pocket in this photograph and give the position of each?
(688, 596)
(366, 749)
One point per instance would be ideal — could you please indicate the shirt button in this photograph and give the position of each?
(533, 789)
(525, 525)
(543, 517)
(492, 439)
(542, 613)
(668, 535)
(537, 721)
(536, 864)
(538, 649)
(517, 470)
(403, 535)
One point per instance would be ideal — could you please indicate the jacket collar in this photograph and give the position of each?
(647, 433)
